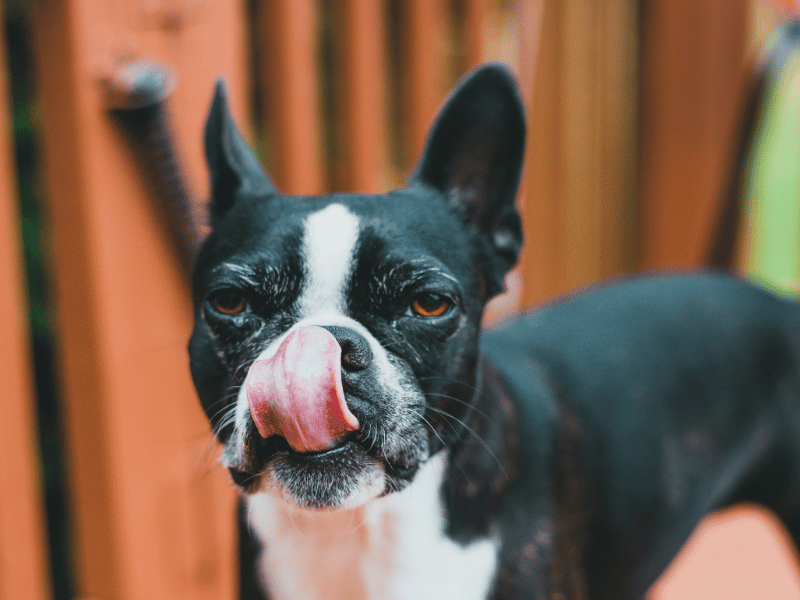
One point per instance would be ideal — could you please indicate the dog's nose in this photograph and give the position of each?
(356, 353)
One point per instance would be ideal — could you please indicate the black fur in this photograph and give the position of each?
(591, 435)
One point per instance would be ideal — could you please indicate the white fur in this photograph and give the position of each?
(393, 548)
(329, 244)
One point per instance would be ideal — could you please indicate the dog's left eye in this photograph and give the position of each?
(228, 302)
(430, 305)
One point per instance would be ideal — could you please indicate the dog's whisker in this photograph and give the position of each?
(460, 401)
(225, 423)
(363, 522)
(482, 393)
(446, 448)
(225, 417)
(223, 410)
(250, 477)
(223, 400)
(419, 410)
(474, 433)
(237, 372)
(432, 429)
(205, 462)
(372, 437)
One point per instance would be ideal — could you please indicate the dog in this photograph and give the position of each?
(386, 447)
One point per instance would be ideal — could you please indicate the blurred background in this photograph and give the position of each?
(656, 140)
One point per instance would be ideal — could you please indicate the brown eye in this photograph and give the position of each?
(228, 302)
(430, 305)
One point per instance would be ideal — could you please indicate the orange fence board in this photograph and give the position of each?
(692, 76)
(152, 514)
(23, 554)
(425, 78)
(363, 95)
(287, 34)
(476, 20)
(579, 183)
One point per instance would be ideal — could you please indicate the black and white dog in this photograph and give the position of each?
(387, 448)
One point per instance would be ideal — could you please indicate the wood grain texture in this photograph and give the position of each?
(692, 81)
(24, 570)
(153, 517)
(580, 87)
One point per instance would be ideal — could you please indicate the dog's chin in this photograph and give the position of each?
(343, 477)
(349, 475)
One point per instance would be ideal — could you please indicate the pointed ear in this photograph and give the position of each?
(474, 156)
(233, 166)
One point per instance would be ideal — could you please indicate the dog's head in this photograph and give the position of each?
(336, 337)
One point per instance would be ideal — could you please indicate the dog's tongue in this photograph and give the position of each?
(298, 392)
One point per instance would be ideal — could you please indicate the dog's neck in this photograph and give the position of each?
(487, 452)
(417, 543)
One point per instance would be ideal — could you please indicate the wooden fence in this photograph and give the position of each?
(631, 109)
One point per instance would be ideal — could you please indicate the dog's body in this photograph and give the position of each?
(387, 449)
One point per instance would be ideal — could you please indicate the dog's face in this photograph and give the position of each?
(336, 337)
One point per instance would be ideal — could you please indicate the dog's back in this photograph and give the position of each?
(649, 404)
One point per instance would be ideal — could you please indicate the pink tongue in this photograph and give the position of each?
(298, 392)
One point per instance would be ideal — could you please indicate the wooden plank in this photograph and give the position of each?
(617, 98)
(540, 258)
(527, 34)
(363, 95)
(152, 517)
(287, 44)
(579, 144)
(692, 78)
(580, 180)
(424, 68)
(93, 535)
(476, 13)
(24, 571)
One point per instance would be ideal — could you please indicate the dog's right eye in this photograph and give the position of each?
(228, 302)
(430, 305)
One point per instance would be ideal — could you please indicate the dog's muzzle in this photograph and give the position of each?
(298, 394)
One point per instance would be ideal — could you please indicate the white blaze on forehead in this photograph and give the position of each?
(329, 242)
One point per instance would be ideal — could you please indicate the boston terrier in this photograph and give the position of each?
(387, 448)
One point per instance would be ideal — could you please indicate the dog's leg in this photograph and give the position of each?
(790, 514)
(567, 573)
(792, 524)
(549, 561)
(546, 566)
(784, 497)
(777, 483)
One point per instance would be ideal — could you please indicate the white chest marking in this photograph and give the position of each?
(329, 242)
(393, 548)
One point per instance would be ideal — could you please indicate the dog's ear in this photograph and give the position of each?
(234, 168)
(474, 156)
